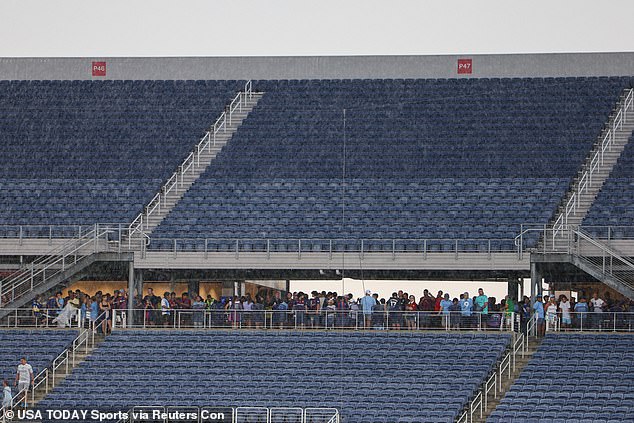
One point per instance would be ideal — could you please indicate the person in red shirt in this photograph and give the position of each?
(439, 298)
(410, 312)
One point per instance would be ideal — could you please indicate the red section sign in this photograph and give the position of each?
(98, 68)
(465, 66)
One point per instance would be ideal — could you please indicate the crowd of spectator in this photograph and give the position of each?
(562, 313)
(329, 309)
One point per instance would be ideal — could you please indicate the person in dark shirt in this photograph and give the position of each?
(151, 314)
(300, 310)
(394, 316)
(427, 305)
(378, 315)
(314, 307)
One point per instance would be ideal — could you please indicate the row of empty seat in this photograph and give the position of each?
(409, 159)
(353, 372)
(577, 377)
(39, 347)
(83, 152)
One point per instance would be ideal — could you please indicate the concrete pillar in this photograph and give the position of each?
(513, 288)
(193, 287)
(536, 282)
(131, 293)
(236, 288)
(172, 283)
(227, 289)
(139, 283)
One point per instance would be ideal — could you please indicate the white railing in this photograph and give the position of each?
(55, 262)
(595, 164)
(192, 162)
(67, 358)
(494, 383)
(310, 319)
(240, 414)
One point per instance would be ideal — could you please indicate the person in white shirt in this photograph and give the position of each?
(7, 399)
(551, 312)
(564, 307)
(24, 378)
(165, 309)
(597, 307)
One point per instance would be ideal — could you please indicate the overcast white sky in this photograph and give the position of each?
(44, 28)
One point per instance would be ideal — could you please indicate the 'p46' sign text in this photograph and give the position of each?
(98, 68)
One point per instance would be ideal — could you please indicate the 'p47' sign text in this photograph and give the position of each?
(98, 68)
(465, 66)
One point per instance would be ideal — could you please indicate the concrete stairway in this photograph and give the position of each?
(186, 180)
(520, 363)
(63, 371)
(622, 134)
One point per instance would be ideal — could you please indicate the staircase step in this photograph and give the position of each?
(206, 157)
(609, 159)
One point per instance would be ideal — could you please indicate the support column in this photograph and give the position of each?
(536, 282)
(131, 294)
(513, 289)
(193, 287)
(139, 283)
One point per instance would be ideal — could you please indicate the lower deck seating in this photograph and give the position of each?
(369, 377)
(574, 378)
(40, 347)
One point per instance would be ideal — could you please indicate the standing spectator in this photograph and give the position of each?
(394, 314)
(7, 399)
(410, 312)
(314, 305)
(149, 312)
(367, 303)
(209, 302)
(538, 309)
(300, 310)
(94, 313)
(258, 311)
(564, 308)
(166, 309)
(199, 312)
(597, 307)
(342, 311)
(234, 306)
(525, 314)
(151, 309)
(581, 310)
(330, 313)
(247, 306)
(36, 308)
(481, 306)
(439, 298)
(24, 379)
(466, 307)
(426, 305)
(551, 312)
(454, 314)
(509, 310)
(106, 309)
(378, 314)
(445, 306)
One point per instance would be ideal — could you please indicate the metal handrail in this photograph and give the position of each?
(55, 262)
(332, 245)
(492, 384)
(298, 319)
(596, 161)
(191, 161)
